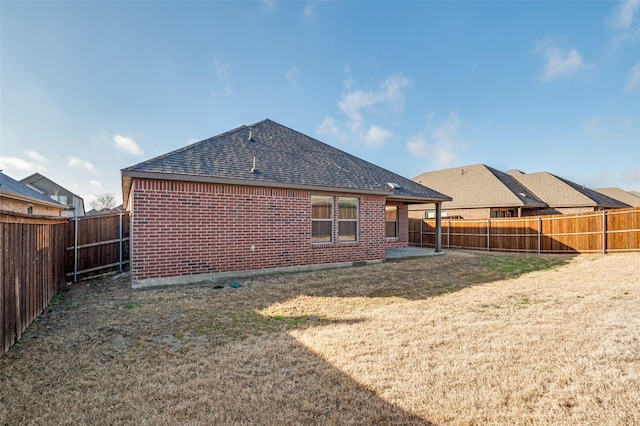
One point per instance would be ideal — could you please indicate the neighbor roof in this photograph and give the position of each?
(39, 181)
(11, 188)
(272, 155)
(559, 192)
(621, 195)
(479, 186)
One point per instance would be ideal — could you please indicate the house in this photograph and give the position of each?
(563, 196)
(74, 204)
(94, 212)
(262, 197)
(478, 192)
(626, 197)
(16, 197)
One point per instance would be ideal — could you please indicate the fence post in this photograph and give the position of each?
(539, 234)
(488, 234)
(449, 233)
(604, 232)
(120, 242)
(75, 249)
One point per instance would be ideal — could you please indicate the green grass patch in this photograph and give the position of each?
(515, 266)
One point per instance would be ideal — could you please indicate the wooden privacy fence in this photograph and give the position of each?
(32, 271)
(40, 255)
(604, 231)
(97, 244)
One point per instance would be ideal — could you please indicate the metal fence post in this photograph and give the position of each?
(604, 232)
(120, 241)
(75, 249)
(539, 235)
(488, 234)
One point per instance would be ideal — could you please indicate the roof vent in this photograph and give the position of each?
(250, 137)
(393, 185)
(253, 169)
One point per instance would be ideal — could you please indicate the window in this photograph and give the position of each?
(391, 222)
(503, 213)
(30, 210)
(347, 219)
(321, 219)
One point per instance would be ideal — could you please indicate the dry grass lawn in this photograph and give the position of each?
(465, 338)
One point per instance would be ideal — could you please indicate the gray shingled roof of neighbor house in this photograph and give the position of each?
(272, 155)
(479, 186)
(11, 187)
(558, 192)
(621, 195)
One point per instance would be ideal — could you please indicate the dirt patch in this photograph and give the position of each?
(464, 338)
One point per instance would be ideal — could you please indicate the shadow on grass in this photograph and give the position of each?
(198, 354)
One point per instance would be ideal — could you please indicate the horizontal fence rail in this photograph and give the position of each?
(41, 254)
(605, 231)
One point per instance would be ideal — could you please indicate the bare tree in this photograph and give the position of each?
(103, 201)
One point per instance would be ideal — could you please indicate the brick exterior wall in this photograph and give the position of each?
(403, 228)
(187, 228)
(18, 206)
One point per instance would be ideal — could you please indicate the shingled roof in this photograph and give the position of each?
(272, 155)
(11, 188)
(479, 186)
(627, 197)
(558, 192)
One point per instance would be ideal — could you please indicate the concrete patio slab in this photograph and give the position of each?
(406, 252)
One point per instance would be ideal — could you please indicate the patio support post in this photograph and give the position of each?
(438, 227)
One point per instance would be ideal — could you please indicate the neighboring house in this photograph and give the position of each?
(18, 198)
(563, 196)
(94, 212)
(74, 204)
(478, 192)
(261, 198)
(627, 197)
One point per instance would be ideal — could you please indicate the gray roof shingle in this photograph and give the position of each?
(558, 192)
(283, 157)
(479, 186)
(10, 186)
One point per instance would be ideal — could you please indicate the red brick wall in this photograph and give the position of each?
(403, 228)
(186, 228)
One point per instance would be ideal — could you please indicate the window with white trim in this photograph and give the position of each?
(391, 222)
(347, 219)
(321, 219)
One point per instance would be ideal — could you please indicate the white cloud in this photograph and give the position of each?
(16, 165)
(624, 19)
(633, 78)
(439, 143)
(558, 61)
(624, 14)
(127, 144)
(95, 183)
(36, 156)
(360, 107)
(77, 162)
(292, 76)
(376, 136)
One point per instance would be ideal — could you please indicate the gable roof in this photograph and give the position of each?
(272, 155)
(621, 195)
(559, 192)
(479, 186)
(11, 188)
(41, 182)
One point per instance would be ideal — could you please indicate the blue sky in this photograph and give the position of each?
(88, 88)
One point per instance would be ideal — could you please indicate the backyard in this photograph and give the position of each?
(462, 338)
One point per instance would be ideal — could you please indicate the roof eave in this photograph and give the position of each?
(28, 199)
